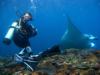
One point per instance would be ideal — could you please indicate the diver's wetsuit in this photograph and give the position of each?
(21, 36)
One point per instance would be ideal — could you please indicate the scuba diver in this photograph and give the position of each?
(20, 31)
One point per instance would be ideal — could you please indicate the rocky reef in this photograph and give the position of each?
(69, 62)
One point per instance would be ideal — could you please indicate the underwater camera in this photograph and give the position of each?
(8, 37)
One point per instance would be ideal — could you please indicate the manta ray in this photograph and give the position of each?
(74, 38)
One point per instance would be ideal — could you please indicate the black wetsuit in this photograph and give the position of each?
(22, 35)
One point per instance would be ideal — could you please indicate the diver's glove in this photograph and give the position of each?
(6, 41)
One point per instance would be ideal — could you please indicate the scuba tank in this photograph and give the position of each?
(9, 35)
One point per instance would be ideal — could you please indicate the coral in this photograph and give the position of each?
(69, 62)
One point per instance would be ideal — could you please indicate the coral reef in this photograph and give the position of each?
(69, 62)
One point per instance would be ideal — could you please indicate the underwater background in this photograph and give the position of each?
(50, 18)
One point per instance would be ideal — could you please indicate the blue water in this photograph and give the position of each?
(50, 18)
